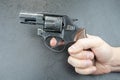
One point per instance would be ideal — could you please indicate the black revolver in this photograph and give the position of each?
(59, 27)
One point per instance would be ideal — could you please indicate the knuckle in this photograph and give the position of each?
(74, 63)
(83, 64)
(88, 71)
(79, 63)
(81, 71)
(87, 63)
(91, 70)
(69, 59)
(77, 70)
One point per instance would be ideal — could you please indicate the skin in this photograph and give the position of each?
(92, 55)
(53, 42)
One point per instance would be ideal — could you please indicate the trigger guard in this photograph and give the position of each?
(58, 47)
(58, 39)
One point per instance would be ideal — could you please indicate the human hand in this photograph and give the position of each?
(96, 60)
(92, 55)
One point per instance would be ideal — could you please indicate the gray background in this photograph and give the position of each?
(23, 56)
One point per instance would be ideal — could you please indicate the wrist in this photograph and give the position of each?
(115, 61)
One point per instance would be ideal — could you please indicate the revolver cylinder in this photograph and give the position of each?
(51, 23)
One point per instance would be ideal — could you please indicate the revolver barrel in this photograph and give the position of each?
(50, 23)
(31, 18)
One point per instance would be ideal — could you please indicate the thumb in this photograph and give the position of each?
(86, 43)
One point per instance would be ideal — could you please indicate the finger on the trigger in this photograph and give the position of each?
(84, 55)
(53, 42)
(86, 71)
(79, 63)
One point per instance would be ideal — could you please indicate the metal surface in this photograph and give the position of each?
(23, 56)
(52, 25)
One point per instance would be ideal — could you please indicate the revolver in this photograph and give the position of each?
(59, 27)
